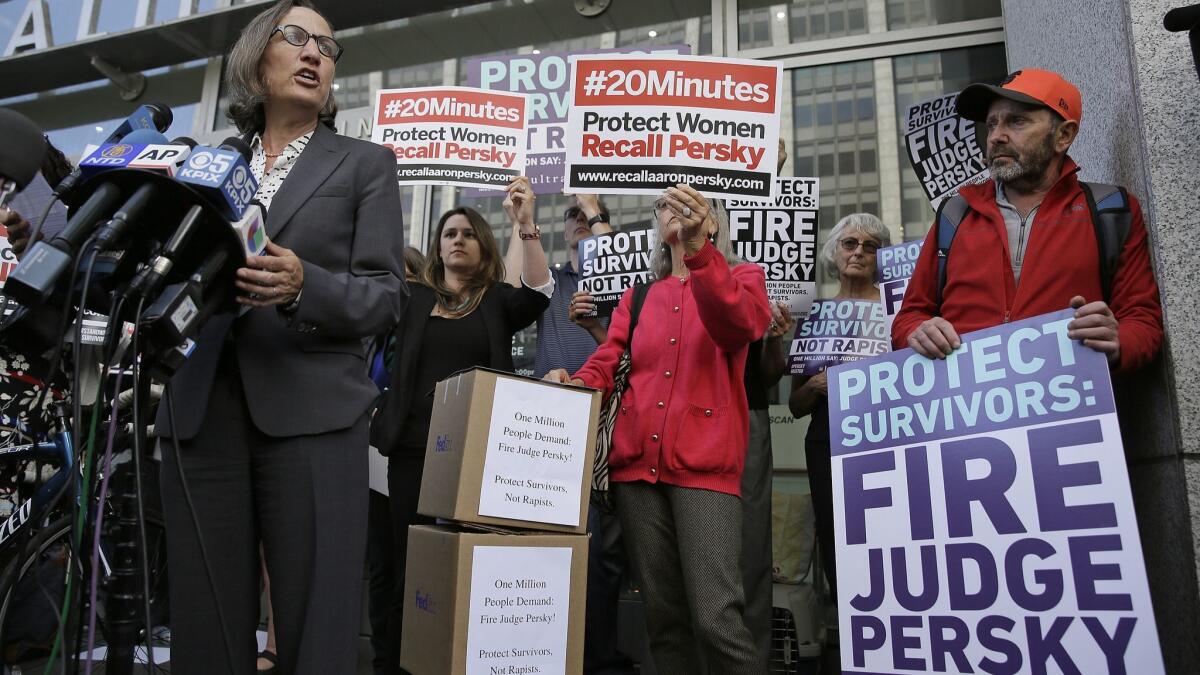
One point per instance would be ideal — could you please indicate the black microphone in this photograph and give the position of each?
(151, 116)
(176, 315)
(21, 154)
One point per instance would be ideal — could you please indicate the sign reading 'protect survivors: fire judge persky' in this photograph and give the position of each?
(639, 124)
(984, 522)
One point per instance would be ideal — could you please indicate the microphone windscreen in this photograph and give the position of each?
(144, 137)
(237, 145)
(184, 140)
(23, 150)
(1182, 18)
(162, 115)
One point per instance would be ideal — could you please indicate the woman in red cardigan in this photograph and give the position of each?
(679, 444)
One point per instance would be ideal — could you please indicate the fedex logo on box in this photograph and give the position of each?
(442, 444)
(425, 602)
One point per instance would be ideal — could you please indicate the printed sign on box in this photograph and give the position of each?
(984, 521)
(894, 266)
(942, 148)
(519, 596)
(535, 453)
(640, 124)
(453, 135)
(612, 263)
(781, 237)
(837, 331)
(545, 78)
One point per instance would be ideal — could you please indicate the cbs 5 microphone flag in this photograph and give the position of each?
(640, 124)
(453, 135)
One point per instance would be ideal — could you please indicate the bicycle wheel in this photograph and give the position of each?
(32, 590)
(31, 595)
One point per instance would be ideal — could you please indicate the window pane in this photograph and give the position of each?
(767, 23)
(914, 13)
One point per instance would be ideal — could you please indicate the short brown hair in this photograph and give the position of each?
(491, 263)
(242, 80)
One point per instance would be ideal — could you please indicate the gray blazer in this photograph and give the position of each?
(339, 210)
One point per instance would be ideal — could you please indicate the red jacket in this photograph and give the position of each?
(684, 418)
(1062, 261)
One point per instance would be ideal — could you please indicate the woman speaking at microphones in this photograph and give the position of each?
(264, 428)
(679, 442)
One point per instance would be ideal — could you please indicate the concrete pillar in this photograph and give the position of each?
(1140, 129)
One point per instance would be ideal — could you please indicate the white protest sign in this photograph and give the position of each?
(520, 603)
(894, 266)
(614, 262)
(781, 237)
(453, 135)
(639, 124)
(536, 447)
(983, 517)
(942, 148)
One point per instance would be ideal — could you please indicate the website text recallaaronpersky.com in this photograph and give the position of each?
(750, 183)
(497, 177)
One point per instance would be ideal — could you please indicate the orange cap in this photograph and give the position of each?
(1032, 86)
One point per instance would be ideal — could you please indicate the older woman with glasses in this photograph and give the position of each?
(849, 253)
(264, 429)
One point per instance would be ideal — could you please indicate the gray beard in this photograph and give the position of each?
(1010, 172)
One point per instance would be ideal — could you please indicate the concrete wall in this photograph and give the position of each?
(1141, 128)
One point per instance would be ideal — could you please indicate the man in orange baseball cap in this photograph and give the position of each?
(1035, 238)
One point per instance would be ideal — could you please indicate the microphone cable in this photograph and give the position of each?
(137, 474)
(187, 496)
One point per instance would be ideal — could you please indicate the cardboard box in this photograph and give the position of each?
(510, 451)
(483, 602)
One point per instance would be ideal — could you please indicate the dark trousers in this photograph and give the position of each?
(686, 544)
(607, 565)
(304, 497)
(381, 576)
(404, 489)
(756, 532)
(820, 480)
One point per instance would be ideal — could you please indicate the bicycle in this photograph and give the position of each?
(38, 561)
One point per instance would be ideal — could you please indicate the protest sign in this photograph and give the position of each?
(453, 135)
(612, 263)
(894, 265)
(545, 78)
(837, 331)
(781, 237)
(640, 124)
(942, 148)
(983, 517)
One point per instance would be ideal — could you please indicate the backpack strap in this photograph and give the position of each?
(640, 291)
(950, 215)
(1112, 219)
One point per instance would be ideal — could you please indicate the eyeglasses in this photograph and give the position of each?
(574, 212)
(298, 37)
(851, 244)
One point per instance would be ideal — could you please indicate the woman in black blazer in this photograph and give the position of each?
(461, 315)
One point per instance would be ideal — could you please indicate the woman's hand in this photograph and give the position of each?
(17, 230)
(693, 212)
(781, 321)
(518, 204)
(561, 376)
(272, 279)
(582, 310)
(820, 383)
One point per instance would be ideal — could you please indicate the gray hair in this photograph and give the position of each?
(660, 259)
(866, 223)
(244, 85)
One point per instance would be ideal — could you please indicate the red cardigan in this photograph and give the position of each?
(1062, 260)
(684, 418)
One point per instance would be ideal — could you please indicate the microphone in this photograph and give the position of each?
(21, 155)
(165, 158)
(223, 176)
(176, 315)
(148, 117)
(252, 229)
